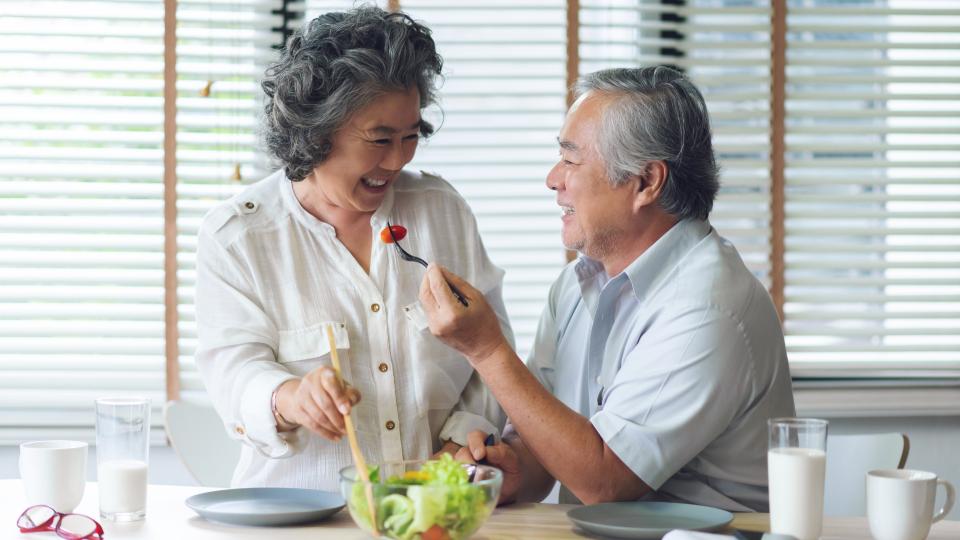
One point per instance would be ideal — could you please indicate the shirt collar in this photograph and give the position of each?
(648, 270)
(655, 264)
(377, 220)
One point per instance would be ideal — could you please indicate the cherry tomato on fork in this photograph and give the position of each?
(399, 231)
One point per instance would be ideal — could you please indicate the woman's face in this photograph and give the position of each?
(369, 151)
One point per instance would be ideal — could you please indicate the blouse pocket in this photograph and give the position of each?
(441, 372)
(303, 349)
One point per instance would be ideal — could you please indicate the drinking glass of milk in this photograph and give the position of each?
(123, 443)
(796, 467)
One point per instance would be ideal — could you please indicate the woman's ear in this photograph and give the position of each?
(650, 183)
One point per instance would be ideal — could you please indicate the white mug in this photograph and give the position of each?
(54, 473)
(900, 503)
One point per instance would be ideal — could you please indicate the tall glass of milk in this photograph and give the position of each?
(796, 467)
(123, 443)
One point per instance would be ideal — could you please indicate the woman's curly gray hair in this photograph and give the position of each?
(332, 68)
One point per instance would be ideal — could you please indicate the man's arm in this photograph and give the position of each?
(550, 431)
(562, 440)
(537, 482)
(477, 409)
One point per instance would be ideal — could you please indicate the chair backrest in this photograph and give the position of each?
(849, 457)
(201, 442)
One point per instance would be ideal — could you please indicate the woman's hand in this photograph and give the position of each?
(317, 402)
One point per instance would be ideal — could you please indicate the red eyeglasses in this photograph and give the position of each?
(42, 518)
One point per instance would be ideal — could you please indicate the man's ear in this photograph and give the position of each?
(649, 183)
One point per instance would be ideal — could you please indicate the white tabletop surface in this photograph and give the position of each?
(170, 519)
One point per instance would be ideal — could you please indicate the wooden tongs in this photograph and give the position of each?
(358, 461)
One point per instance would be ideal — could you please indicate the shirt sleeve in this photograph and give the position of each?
(676, 391)
(236, 351)
(543, 353)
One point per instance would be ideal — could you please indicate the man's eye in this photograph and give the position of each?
(381, 142)
(411, 137)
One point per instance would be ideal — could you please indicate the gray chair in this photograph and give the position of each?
(849, 457)
(201, 442)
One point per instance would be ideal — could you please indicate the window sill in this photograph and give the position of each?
(876, 398)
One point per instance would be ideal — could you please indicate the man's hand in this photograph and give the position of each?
(472, 330)
(449, 447)
(499, 455)
(318, 402)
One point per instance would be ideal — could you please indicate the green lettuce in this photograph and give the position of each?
(439, 495)
(397, 514)
(429, 506)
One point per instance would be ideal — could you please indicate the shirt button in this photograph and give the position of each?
(239, 430)
(598, 379)
(383, 367)
(249, 205)
(374, 307)
(391, 424)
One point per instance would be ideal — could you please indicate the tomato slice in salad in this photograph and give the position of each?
(399, 231)
(435, 533)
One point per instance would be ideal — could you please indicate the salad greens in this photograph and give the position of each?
(437, 502)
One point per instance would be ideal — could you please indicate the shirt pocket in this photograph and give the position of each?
(302, 350)
(441, 372)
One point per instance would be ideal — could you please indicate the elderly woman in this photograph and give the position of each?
(300, 251)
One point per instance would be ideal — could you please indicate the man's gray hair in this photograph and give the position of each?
(335, 66)
(657, 114)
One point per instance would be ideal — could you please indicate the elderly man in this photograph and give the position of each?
(659, 357)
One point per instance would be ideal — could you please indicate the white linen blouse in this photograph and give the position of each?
(271, 277)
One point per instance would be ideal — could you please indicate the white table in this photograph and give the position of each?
(169, 519)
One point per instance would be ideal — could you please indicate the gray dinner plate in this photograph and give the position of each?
(647, 519)
(266, 506)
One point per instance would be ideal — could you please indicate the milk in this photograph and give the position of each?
(123, 486)
(796, 491)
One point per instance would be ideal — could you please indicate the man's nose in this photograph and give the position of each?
(553, 181)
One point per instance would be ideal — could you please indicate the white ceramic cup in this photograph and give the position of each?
(900, 503)
(54, 473)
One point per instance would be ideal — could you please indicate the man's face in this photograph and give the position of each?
(595, 215)
(369, 151)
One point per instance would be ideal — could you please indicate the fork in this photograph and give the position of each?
(413, 258)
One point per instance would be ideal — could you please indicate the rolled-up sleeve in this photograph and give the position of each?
(236, 351)
(676, 391)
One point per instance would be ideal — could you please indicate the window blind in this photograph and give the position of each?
(223, 48)
(873, 188)
(502, 103)
(724, 47)
(81, 191)
(81, 244)
(872, 194)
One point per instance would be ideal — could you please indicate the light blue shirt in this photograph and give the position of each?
(678, 361)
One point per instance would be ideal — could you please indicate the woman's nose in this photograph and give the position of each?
(397, 156)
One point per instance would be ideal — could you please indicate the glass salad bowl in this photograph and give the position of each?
(439, 499)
